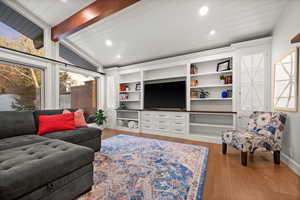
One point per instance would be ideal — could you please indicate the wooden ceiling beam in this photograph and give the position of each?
(296, 39)
(87, 16)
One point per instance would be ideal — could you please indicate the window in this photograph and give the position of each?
(19, 33)
(78, 91)
(20, 88)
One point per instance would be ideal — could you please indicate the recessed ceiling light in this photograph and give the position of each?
(64, 1)
(108, 43)
(203, 10)
(212, 32)
(118, 56)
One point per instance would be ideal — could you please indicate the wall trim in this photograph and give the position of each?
(292, 164)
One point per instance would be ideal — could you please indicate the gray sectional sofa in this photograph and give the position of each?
(55, 166)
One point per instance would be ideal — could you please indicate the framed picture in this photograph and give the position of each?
(285, 82)
(138, 87)
(223, 66)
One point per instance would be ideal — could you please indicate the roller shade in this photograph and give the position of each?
(21, 24)
(70, 56)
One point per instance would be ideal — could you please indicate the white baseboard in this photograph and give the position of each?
(292, 164)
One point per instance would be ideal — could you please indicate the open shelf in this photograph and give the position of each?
(212, 125)
(212, 86)
(211, 99)
(212, 73)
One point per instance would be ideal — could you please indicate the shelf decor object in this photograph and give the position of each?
(138, 87)
(194, 69)
(223, 66)
(203, 94)
(122, 87)
(285, 82)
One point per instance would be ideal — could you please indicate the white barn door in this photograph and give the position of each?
(253, 85)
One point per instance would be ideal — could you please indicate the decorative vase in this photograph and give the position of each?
(224, 94)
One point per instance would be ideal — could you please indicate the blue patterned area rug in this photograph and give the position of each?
(137, 168)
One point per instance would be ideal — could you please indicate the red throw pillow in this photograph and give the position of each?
(51, 123)
(78, 117)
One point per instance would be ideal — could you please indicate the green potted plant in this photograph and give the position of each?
(100, 118)
(222, 78)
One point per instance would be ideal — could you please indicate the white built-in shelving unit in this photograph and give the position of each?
(215, 112)
(131, 79)
(204, 118)
(208, 79)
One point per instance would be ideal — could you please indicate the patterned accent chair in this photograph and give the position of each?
(264, 133)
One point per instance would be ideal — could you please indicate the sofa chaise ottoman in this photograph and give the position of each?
(52, 169)
(56, 166)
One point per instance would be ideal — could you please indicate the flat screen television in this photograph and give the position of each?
(165, 95)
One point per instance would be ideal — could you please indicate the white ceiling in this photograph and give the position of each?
(54, 11)
(153, 29)
(160, 28)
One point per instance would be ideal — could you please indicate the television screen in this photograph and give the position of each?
(165, 95)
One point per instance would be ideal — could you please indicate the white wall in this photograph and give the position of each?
(287, 27)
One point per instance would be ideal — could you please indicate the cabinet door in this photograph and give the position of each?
(111, 99)
(253, 84)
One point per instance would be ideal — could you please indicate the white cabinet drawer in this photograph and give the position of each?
(147, 126)
(147, 114)
(178, 123)
(162, 115)
(179, 130)
(163, 122)
(178, 116)
(162, 128)
(147, 120)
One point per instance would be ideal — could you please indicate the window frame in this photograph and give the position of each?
(28, 66)
(97, 77)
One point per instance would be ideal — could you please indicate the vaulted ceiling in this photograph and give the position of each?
(54, 11)
(152, 29)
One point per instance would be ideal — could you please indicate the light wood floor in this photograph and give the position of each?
(227, 179)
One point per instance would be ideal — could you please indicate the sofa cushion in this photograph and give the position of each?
(27, 168)
(75, 136)
(14, 123)
(37, 113)
(52, 123)
(78, 117)
(18, 141)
